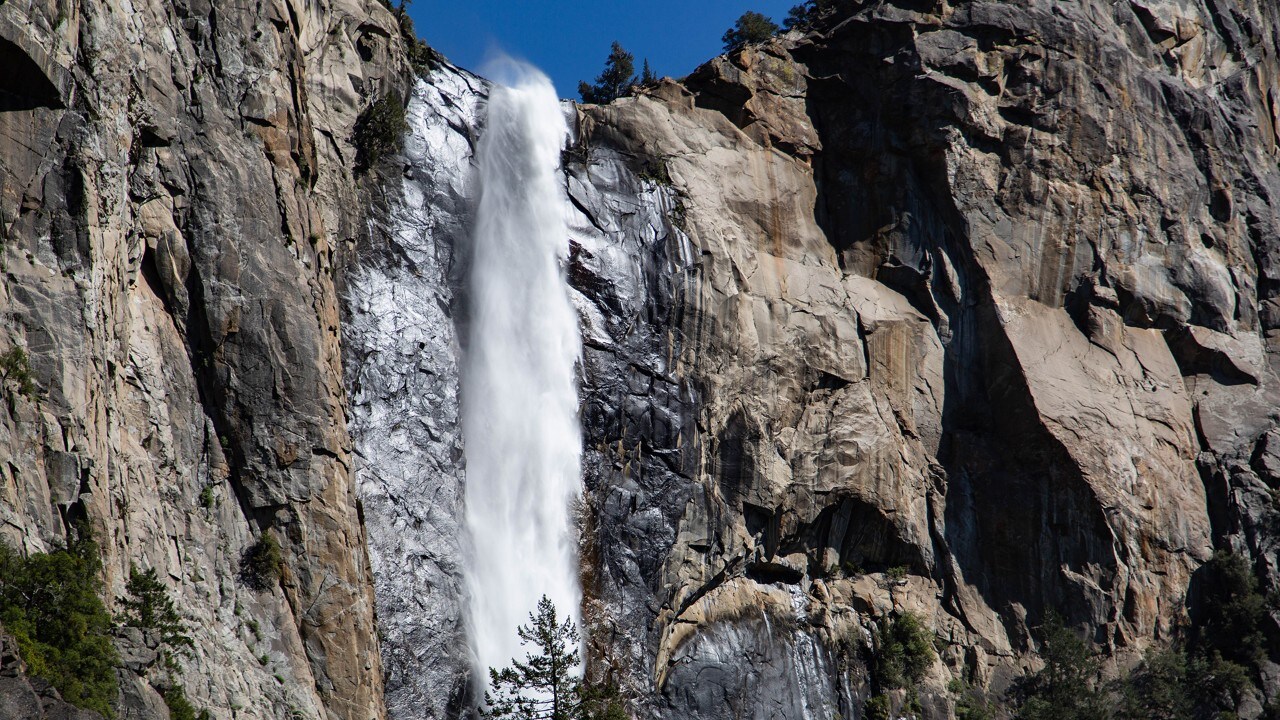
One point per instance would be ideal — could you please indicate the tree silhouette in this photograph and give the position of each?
(617, 78)
(647, 76)
(812, 12)
(751, 27)
(546, 685)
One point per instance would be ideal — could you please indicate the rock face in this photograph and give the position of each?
(975, 291)
(965, 308)
(401, 351)
(957, 309)
(174, 180)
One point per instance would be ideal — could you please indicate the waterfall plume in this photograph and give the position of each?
(519, 392)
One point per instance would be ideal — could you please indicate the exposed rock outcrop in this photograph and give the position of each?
(928, 310)
(174, 179)
(977, 291)
(401, 353)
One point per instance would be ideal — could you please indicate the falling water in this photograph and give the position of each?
(519, 396)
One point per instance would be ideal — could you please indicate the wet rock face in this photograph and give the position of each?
(173, 182)
(401, 355)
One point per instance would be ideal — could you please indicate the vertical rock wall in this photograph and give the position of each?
(964, 309)
(174, 180)
(401, 353)
(978, 293)
(927, 311)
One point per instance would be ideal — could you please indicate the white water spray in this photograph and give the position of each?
(519, 395)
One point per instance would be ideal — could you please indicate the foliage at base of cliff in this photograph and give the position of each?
(1205, 676)
(50, 602)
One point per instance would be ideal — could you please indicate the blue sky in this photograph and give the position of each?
(570, 40)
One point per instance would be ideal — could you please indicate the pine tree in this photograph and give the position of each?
(810, 13)
(751, 27)
(149, 607)
(1065, 689)
(49, 602)
(647, 76)
(614, 82)
(546, 685)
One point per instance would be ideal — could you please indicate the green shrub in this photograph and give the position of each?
(16, 366)
(420, 54)
(1159, 688)
(1174, 684)
(260, 568)
(1065, 689)
(656, 172)
(50, 603)
(1232, 612)
(750, 27)
(380, 130)
(876, 708)
(180, 708)
(149, 607)
(812, 13)
(903, 651)
(1206, 677)
(971, 704)
(206, 497)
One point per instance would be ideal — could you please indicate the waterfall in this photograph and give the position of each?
(519, 396)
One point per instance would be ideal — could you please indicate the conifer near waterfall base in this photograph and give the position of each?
(546, 685)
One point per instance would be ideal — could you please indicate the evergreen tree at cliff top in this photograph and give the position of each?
(546, 685)
(812, 13)
(617, 78)
(751, 27)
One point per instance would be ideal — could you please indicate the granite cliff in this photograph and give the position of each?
(966, 309)
(976, 290)
(176, 181)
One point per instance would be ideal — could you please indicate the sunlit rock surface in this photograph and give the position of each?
(175, 181)
(931, 312)
(964, 302)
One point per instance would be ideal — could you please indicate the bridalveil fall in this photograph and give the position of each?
(519, 393)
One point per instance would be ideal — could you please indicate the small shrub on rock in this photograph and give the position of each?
(149, 607)
(262, 563)
(811, 13)
(877, 708)
(180, 708)
(1066, 688)
(420, 54)
(903, 651)
(380, 130)
(751, 27)
(970, 702)
(15, 366)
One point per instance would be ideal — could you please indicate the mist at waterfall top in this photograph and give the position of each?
(570, 40)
